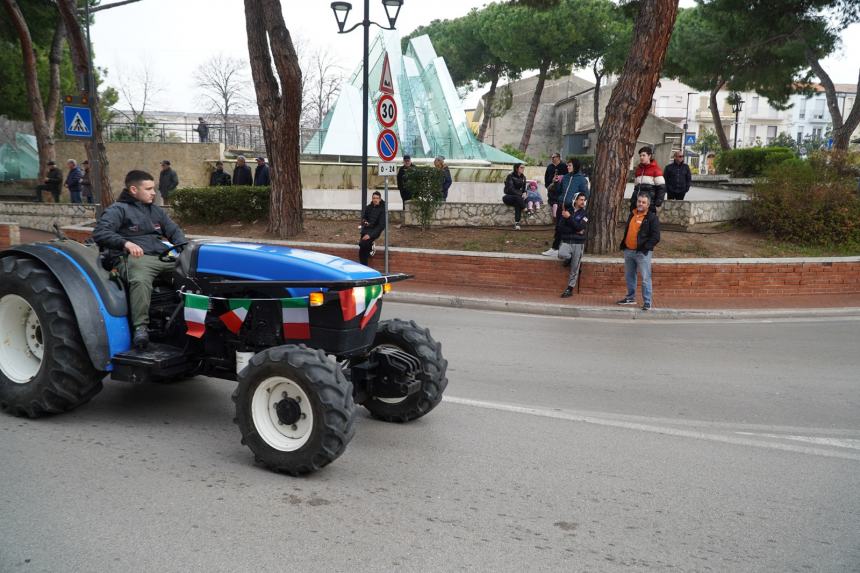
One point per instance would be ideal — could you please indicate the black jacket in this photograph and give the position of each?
(373, 220)
(54, 178)
(649, 233)
(678, 177)
(261, 176)
(515, 184)
(73, 180)
(130, 220)
(242, 175)
(405, 194)
(552, 171)
(168, 180)
(219, 178)
(574, 229)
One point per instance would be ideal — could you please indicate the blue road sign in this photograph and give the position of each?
(386, 145)
(690, 139)
(77, 121)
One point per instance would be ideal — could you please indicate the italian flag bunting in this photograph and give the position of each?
(196, 307)
(234, 319)
(372, 294)
(295, 317)
(360, 301)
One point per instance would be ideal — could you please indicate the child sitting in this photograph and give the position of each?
(533, 198)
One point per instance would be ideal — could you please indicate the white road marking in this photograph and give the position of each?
(560, 414)
(834, 442)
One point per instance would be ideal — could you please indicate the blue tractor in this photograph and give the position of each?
(298, 330)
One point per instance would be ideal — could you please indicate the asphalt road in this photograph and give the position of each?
(563, 445)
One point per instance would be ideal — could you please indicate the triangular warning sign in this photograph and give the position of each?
(386, 86)
(77, 124)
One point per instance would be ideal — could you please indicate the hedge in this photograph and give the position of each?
(751, 161)
(213, 205)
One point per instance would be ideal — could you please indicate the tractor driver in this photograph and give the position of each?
(134, 225)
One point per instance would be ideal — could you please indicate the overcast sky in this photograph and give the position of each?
(173, 37)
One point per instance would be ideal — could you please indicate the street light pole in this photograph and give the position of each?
(341, 12)
(737, 105)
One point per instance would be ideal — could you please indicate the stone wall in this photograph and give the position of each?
(189, 160)
(42, 216)
(10, 234)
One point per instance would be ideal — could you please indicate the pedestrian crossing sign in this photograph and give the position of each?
(77, 121)
(690, 139)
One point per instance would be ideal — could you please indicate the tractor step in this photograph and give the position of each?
(158, 361)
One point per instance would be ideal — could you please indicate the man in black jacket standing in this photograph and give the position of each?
(405, 194)
(552, 177)
(219, 177)
(53, 181)
(135, 225)
(372, 225)
(261, 174)
(641, 236)
(678, 177)
(168, 181)
(242, 173)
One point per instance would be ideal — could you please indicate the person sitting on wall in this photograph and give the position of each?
(372, 225)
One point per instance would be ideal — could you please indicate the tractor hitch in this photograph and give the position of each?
(387, 372)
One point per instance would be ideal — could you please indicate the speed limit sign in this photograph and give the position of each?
(386, 111)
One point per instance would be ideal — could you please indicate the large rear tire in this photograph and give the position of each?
(294, 408)
(411, 338)
(44, 365)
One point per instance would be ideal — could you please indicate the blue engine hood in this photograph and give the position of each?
(253, 261)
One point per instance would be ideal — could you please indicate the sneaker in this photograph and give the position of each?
(646, 306)
(550, 253)
(141, 337)
(372, 251)
(567, 292)
(626, 301)
(516, 226)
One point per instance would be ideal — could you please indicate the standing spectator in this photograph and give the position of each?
(572, 226)
(641, 236)
(553, 175)
(219, 177)
(439, 163)
(648, 181)
(678, 177)
(87, 183)
(242, 173)
(515, 192)
(405, 194)
(73, 180)
(202, 130)
(168, 181)
(372, 225)
(261, 173)
(572, 184)
(53, 181)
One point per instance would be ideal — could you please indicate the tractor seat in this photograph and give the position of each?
(186, 263)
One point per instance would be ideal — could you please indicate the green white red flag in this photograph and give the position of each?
(295, 317)
(196, 307)
(235, 317)
(360, 301)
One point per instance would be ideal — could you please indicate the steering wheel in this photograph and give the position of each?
(165, 255)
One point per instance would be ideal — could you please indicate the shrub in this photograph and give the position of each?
(812, 207)
(751, 161)
(213, 205)
(511, 150)
(424, 182)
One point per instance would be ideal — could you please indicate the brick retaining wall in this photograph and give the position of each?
(602, 275)
(10, 234)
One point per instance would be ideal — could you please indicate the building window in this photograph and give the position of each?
(771, 133)
(662, 106)
(754, 108)
(802, 111)
(818, 111)
(799, 136)
(752, 135)
(816, 132)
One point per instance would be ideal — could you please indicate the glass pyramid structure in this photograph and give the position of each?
(430, 120)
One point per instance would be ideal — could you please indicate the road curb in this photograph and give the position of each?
(623, 313)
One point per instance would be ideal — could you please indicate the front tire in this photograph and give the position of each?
(294, 409)
(411, 338)
(44, 365)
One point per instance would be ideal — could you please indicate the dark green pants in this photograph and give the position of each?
(140, 272)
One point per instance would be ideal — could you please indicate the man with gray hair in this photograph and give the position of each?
(640, 238)
(242, 173)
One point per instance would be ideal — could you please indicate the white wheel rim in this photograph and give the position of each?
(390, 400)
(22, 345)
(264, 411)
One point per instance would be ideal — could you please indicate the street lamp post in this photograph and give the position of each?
(686, 125)
(737, 106)
(341, 11)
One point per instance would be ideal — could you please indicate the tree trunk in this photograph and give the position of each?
(488, 107)
(715, 115)
(55, 60)
(530, 118)
(625, 113)
(280, 109)
(842, 130)
(78, 47)
(44, 138)
(598, 76)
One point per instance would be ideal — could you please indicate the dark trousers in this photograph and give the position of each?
(364, 248)
(517, 202)
(76, 196)
(54, 192)
(676, 195)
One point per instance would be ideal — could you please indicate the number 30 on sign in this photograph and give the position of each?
(386, 111)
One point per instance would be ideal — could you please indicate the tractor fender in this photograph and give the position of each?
(101, 315)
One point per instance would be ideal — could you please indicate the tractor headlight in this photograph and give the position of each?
(386, 288)
(317, 298)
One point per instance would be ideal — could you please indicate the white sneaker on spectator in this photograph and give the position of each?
(550, 252)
